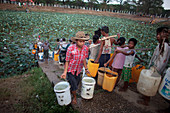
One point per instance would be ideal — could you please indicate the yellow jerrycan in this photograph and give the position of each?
(109, 80)
(136, 73)
(92, 67)
(56, 57)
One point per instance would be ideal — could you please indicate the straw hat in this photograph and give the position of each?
(80, 35)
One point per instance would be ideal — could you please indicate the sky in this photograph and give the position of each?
(166, 4)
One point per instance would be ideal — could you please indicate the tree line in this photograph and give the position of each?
(139, 6)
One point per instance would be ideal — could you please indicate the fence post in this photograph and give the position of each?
(165, 15)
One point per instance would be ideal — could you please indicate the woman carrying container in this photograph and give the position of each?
(160, 56)
(75, 60)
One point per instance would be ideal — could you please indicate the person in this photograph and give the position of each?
(75, 59)
(57, 44)
(160, 57)
(62, 51)
(105, 47)
(119, 58)
(130, 56)
(94, 48)
(46, 47)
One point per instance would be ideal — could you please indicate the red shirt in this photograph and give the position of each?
(75, 58)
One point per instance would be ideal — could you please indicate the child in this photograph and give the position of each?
(105, 47)
(119, 59)
(130, 55)
(46, 48)
(62, 51)
(75, 59)
(94, 48)
(160, 56)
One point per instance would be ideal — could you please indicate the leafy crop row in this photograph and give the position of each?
(19, 29)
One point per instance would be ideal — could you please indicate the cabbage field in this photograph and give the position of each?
(19, 29)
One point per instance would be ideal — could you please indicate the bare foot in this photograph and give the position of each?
(142, 102)
(74, 101)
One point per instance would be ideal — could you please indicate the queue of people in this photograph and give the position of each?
(73, 56)
(123, 56)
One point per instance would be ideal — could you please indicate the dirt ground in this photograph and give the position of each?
(104, 101)
(13, 7)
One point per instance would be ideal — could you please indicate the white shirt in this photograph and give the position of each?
(62, 46)
(129, 59)
(160, 61)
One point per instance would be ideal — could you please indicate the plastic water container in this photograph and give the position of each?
(164, 88)
(87, 89)
(109, 81)
(101, 72)
(51, 54)
(92, 67)
(62, 91)
(149, 81)
(56, 57)
(100, 78)
(136, 73)
(40, 55)
(33, 51)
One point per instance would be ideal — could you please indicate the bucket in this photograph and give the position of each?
(164, 88)
(149, 81)
(62, 91)
(33, 51)
(109, 81)
(51, 54)
(92, 67)
(135, 73)
(40, 55)
(87, 89)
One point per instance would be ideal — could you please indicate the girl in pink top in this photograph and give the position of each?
(119, 59)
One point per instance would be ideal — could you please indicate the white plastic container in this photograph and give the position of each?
(40, 55)
(149, 81)
(164, 88)
(87, 89)
(62, 90)
(51, 54)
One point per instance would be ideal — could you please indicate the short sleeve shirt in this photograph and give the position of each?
(75, 58)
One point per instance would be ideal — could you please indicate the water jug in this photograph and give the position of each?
(109, 81)
(33, 51)
(92, 67)
(136, 72)
(101, 72)
(164, 88)
(149, 81)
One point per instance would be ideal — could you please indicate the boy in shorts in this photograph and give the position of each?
(75, 60)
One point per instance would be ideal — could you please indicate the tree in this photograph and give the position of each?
(121, 3)
(148, 6)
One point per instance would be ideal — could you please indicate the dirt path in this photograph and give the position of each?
(81, 11)
(104, 101)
